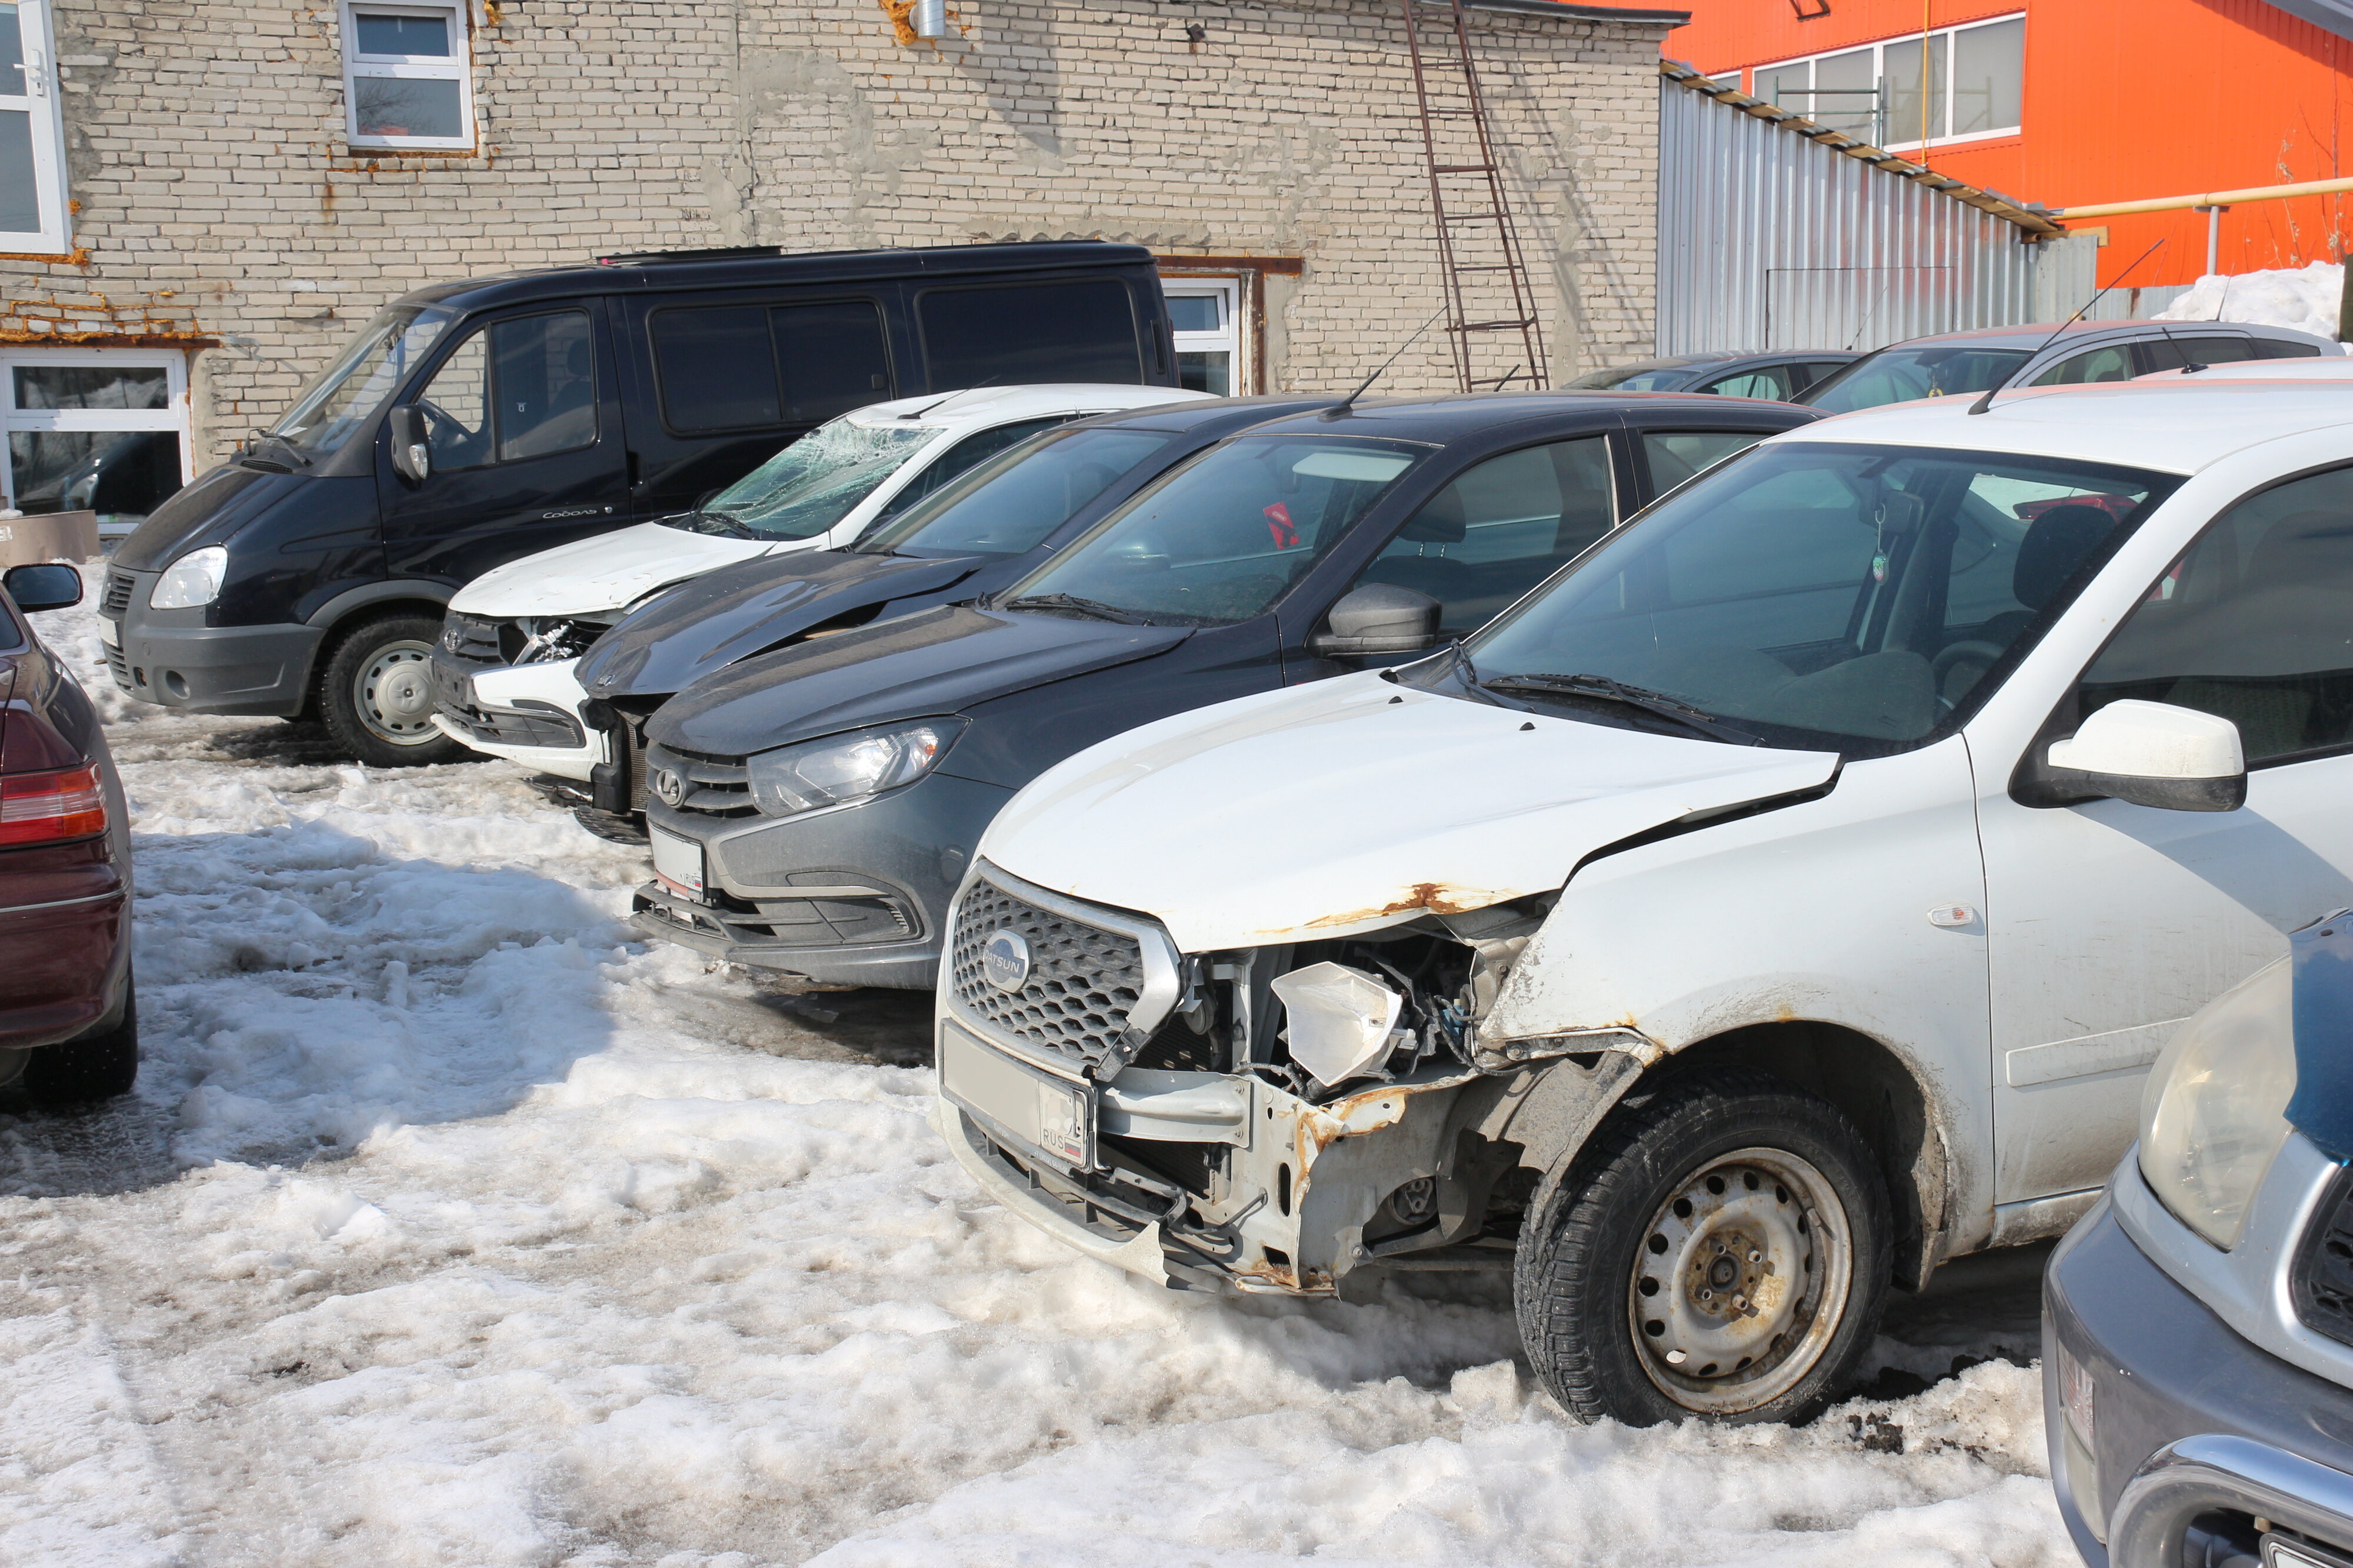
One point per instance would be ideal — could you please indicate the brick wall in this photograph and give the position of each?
(217, 196)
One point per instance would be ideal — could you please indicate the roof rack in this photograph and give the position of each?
(722, 253)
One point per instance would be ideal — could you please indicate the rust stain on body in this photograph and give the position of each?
(1435, 897)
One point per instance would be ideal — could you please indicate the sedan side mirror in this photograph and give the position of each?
(1377, 618)
(2153, 754)
(43, 587)
(412, 444)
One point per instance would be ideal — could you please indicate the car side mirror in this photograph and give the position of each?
(43, 587)
(412, 444)
(1377, 618)
(2152, 754)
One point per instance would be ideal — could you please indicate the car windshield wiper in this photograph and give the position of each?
(1094, 608)
(1608, 691)
(722, 523)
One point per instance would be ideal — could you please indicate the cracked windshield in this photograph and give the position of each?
(1222, 539)
(1833, 597)
(810, 485)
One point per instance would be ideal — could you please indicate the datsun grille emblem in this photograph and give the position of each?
(667, 787)
(1004, 961)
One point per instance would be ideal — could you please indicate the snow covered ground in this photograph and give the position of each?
(450, 1225)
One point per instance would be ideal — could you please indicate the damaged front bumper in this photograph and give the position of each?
(526, 714)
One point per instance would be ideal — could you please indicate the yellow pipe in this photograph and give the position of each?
(2210, 199)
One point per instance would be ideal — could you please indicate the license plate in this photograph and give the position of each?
(2280, 1554)
(1050, 1114)
(109, 633)
(678, 862)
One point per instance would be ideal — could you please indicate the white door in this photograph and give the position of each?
(2109, 922)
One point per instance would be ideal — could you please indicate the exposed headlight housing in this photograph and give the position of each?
(791, 780)
(191, 581)
(1340, 1019)
(2213, 1114)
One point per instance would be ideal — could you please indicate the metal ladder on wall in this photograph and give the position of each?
(1491, 306)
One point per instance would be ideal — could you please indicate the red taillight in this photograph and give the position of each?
(40, 808)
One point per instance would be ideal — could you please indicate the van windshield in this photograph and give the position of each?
(1835, 597)
(347, 394)
(1219, 540)
(810, 485)
(1012, 503)
(1900, 374)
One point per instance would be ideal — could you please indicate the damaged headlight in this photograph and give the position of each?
(794, 779)
(1341, 1019)
(548, 639)
(2213, 1114)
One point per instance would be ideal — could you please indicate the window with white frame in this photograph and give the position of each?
(102, 430)
(407, 80)
(32, 134)
(1954, 84)
(1206, 313)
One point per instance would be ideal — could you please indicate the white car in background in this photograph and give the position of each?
(502, 675)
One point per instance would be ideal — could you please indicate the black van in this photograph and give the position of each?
(472, 422)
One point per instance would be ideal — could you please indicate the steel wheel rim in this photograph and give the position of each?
(392, 693)
(1740, 1281)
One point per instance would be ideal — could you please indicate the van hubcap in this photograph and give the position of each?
(394, 694)
(1741, 1280)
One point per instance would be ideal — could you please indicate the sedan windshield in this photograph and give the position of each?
(1221, 539)
(1842, 597)
(1013, 502)
(347, 394)
(810, 485)
(1900, 373)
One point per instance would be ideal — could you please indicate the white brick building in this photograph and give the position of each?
(208, 197)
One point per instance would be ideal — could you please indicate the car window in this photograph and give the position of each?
(457, 405)
(2214, 349)
(1676, 454)
(1900, 373)
(2281, 348)
(1766, 381)
(965, 455)
(1029, 333)
(515, 389)
(2254, 624)
(1013, 502)
(1629, 378)
(2112, 362)
(1499, 527)
(1810, 373)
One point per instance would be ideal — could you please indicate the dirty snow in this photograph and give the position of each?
(2303, 298)
(450, 1225)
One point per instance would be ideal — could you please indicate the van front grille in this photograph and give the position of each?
(117, 598)
(2321, 1278)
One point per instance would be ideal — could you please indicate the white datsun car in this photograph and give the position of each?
(503, 677)
(1785, 897)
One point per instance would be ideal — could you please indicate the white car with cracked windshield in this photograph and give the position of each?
(503, 673)
(1785, 898)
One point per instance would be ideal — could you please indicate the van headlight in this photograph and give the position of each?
(794, 779)
(2213, 1113)
(191, 581)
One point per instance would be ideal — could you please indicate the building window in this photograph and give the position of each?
(406, 77)
(32, 134)
(1207, 315)
(102, 430)
(1955, 84)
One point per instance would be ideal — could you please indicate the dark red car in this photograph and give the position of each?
(69, 1025)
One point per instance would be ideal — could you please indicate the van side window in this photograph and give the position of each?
(748, 367)
(830, 358)
(457, 405)
(517, 389)
(2254, 624)
(1029, 333)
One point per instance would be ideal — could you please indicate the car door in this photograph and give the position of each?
(527, 450)
(2110, 923)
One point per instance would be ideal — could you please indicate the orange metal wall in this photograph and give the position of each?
(2124, 100)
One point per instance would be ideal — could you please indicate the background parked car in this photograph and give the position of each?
(502, 671)
(2198, 1324)
(477, 421)
(2049, 356)
(1781, 376)
(69, 1021)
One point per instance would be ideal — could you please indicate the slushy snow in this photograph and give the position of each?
(453, 1223)
(2303, 298)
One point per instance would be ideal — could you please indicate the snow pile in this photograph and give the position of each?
(452, 1223)
(2303, 298)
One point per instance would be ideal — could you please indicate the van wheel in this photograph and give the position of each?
(98, 1066)
(1721, 1249)
(375, 694)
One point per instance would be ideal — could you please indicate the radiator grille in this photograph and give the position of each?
(117, 598)
(1084, 981)
(717, 786)
(2321, 1278)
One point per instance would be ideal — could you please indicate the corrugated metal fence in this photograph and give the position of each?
(1770, 241)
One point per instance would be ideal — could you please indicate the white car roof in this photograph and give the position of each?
(2319, 367)
(977, 408)
(2177, 425)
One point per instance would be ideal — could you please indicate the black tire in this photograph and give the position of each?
(98, 1066)
(1614, 1281)
(375, 695)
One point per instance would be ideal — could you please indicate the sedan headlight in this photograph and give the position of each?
(794, 779)
(190, 581)
(2213, 1114)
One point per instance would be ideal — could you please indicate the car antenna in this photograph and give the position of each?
(1349, 401)
(1864, 325)
(1986, 402)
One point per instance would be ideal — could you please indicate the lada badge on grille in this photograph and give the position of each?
(1006, 960)
(667, 787)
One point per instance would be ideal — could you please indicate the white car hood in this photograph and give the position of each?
(605, 572)
(1353, 803)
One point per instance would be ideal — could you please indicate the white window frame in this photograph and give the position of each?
(1879, 74)
(40, 102)
(1227, 289)
(458, 68)
(172, 415)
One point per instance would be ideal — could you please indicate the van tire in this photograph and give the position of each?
(375, 693)
(100, 1065)
(1647, 1286)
